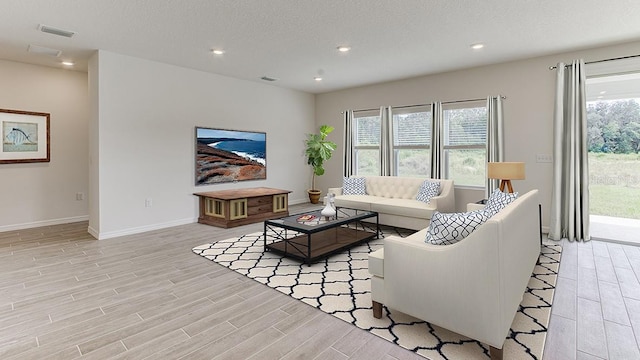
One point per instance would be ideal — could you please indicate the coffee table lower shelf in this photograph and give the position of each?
(314, 246)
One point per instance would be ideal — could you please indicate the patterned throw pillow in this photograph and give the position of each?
(354, 186)
(498, 200)
(427, 190)
(449, 228)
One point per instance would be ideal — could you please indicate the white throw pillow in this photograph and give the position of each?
(449, 228)
(498, 200)
(427, 190)
(354, 186)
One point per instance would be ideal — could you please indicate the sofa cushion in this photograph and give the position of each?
(354, 186)
(395, 187)
(449, 228)
(376, 262)
(498, 200)
(427, 190)
(362, 202)
(403, 207)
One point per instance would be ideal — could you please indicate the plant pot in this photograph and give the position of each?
(314, 196)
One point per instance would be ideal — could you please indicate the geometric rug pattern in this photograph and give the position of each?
(339, 285)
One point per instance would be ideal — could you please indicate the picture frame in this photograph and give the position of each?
(226, 155)
(25, 137)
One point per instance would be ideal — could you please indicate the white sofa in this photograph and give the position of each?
(472, 287)
(394, 199)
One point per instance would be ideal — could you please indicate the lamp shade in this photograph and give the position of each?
(505, 170)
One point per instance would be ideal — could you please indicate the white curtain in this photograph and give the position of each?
(570, 192)
(386, 141)
(347, 151)
(436, 140)
(495, 137)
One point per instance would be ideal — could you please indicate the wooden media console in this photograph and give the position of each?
(229, 208)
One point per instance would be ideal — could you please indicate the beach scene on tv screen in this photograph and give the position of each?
(229, 155)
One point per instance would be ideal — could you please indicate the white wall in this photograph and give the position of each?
(529, 86)
(146, 114)
(38, 194)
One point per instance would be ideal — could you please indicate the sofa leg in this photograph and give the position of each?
(496, 354)
(377, 309)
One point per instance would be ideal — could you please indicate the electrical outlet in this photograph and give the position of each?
(148, 202)
(544, 158)
(79, 196)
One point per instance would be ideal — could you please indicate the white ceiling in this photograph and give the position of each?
(295, 40)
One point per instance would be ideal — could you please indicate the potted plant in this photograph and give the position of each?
(318, 150)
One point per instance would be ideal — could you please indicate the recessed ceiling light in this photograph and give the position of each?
(344, 48)
(217, 51)
(317, 78)
(477, 46)
(603, 92)
(56, 31)
(68, 63)
(41, 50)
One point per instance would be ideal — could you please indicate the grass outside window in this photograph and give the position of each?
(614, 185)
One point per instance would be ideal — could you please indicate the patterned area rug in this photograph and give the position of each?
(340, 286)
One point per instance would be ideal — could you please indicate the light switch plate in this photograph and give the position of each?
(544, 158)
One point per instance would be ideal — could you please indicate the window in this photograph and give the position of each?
(366, 143)
(465, 138)
(412, 141)
(462, 140)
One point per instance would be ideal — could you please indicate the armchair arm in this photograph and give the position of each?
(335, 191)
(445, 202)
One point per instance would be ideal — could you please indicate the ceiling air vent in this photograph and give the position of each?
(44, 50)
(56, 31)
(266, 78)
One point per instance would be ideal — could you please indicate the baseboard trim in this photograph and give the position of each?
(112, 234)
(298, 201)
(93, 232)
(41, 223)
(141, 229)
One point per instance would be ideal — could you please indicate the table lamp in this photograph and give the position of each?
(505, 171)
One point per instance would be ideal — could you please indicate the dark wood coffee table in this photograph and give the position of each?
(314, 237)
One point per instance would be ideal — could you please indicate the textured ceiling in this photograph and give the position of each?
(295, 40)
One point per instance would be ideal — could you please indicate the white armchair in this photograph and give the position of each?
(472, 287)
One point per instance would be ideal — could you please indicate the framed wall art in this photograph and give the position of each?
(224, 155)
(25, 136)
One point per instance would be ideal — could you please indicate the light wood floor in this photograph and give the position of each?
(65, 295)
(596, 306)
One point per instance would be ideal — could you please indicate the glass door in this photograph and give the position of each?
(613, 128)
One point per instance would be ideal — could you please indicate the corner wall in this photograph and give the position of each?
(40, 194)
(529, 86)
(143, 139)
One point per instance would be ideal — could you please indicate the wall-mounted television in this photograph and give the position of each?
(224, 155)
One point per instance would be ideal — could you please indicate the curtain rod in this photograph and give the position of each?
(444, 102)
(603, 60)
